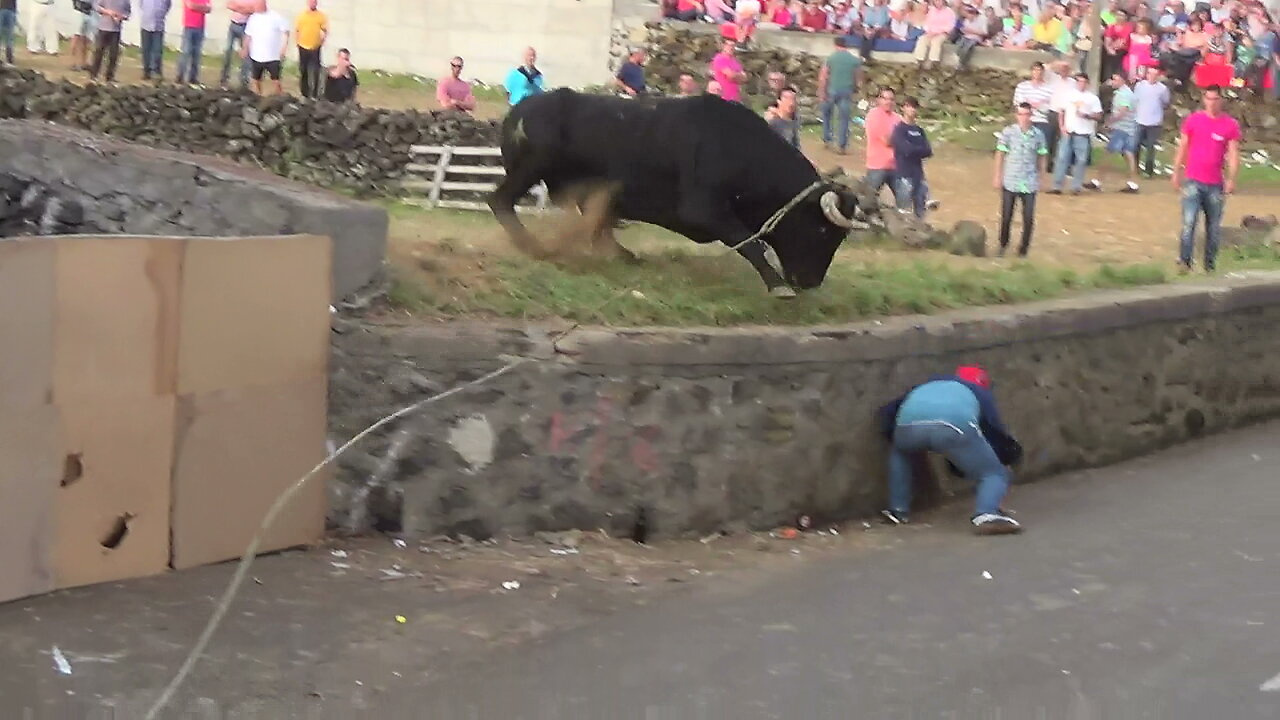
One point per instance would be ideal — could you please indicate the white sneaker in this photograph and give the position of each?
(995, 524)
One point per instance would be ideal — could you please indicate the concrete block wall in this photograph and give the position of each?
(729, 428)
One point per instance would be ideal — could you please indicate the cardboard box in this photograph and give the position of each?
(255, 311)
(30, 469)
(26, 323)
(112, 507)
(116, 317)
(235, 451)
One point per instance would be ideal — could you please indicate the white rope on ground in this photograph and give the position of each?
(247, 559)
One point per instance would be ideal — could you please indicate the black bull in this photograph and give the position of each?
(705, 168)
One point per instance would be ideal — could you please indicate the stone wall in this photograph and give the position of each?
(708, 428)
(676, 48)
(344, 146)
(60, 180)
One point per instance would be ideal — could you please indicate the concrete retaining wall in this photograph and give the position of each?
(727, 428)
(133, 189)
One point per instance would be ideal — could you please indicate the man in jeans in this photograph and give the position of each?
(1209, 139)
(8, 22)
(111, 17)
(879, 124)
(1150, 99)
(240, 12)
(194, 14)
(838, 80)
(1020, 157)
(1078, 117)
(153, 13)
(954, 415)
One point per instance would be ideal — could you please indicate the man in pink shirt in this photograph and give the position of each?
(454, 93)
(726, 70)
(939, 23)
(879, 125)
(1209, 139)
(194, 13)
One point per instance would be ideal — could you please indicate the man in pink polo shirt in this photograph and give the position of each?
(726, 70)
(879, 125)
(1209, 139)
(454, 93)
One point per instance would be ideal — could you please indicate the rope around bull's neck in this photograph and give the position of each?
(776, 218)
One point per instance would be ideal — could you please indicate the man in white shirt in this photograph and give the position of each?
(266, 37)
(1078, 116)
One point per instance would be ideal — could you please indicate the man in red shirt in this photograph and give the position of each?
(1115, 43)
(1210, 138)
(194, 13)
(813, 18)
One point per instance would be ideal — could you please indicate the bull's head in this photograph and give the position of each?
(807, 238)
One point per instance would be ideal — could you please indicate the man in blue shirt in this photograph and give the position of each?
(1150, 99)
(954, 415)
(630, 77)
(910, 149)
(525, 80)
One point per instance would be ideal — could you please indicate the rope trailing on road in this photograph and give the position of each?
(246, 560)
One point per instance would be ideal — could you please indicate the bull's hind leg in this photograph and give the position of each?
(522, 176)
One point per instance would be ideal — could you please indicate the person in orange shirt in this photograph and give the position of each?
(312, 29)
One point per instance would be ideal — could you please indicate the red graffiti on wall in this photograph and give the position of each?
(603, 425)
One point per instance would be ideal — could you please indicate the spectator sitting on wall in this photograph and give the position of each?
(525, 80)
(1017, 36)
(813, 18)
(777, 82)
(341, 81)
(687, 85)
(454, 93)
(630, 77)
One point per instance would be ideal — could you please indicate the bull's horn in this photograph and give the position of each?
(830, 203)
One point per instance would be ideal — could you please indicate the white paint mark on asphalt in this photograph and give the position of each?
(1250, 558)
(1272, 685)
(986, 574)
(60, 661)
(472, 438)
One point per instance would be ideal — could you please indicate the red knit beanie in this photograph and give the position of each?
(974, 374)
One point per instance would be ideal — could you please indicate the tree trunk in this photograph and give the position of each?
(1093, 62)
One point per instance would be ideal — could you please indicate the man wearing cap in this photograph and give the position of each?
(954, 415)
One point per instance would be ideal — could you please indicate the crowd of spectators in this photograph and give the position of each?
(1232, 43)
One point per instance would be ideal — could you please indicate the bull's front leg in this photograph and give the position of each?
(716, 219)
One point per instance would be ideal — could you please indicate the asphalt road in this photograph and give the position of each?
(1146, 590)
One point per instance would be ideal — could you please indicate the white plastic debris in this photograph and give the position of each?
(338, 553)
(60, 661)
(339, 566)
(1075, 590)
(392, 574)
(631, 580)
(1256, 457)
(986, 575)
(511, 585)
(564, 551)
(398, 543)
(638, 295)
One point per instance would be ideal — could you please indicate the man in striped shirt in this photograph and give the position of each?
(1038, 93)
